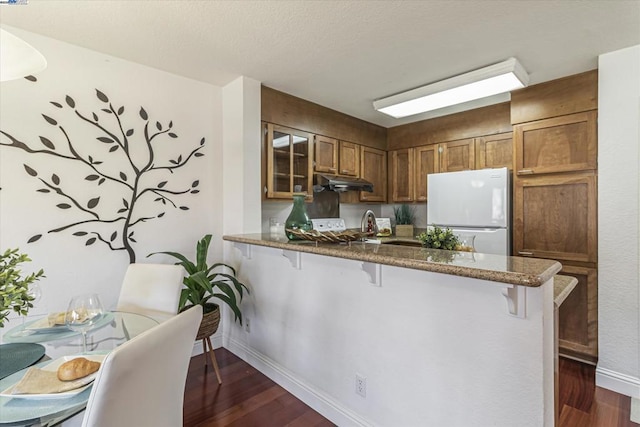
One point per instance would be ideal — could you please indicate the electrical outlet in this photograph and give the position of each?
(247, 325)
(361, 385)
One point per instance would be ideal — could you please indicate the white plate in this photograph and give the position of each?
(53, 366)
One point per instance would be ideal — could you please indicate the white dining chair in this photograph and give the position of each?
(141, 383)
(152, 290)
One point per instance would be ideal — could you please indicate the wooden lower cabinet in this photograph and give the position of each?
(578, 317)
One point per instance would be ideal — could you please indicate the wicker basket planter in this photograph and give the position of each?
(210, 321)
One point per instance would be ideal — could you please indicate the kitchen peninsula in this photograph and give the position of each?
(440, 338)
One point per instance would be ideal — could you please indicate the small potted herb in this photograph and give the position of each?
(438, 238)
(405, 217)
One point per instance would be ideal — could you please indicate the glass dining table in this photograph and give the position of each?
(113, 329)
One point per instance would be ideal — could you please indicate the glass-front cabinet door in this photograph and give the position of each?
(289, 163)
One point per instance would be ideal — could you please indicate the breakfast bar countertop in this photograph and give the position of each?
(532, 272)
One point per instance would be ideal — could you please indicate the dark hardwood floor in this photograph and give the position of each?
(247, 398)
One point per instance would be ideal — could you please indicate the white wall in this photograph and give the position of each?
(435, 349)
(195, 110)
(619, 221)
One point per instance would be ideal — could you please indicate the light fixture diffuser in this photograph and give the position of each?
(484, 82)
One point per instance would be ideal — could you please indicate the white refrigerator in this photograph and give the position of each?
(476, 202)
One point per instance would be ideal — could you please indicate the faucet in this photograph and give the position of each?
(368, 223)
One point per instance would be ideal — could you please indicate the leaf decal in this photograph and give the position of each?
(132, 239)
(70, 102)
(64, 206)
(80, 233)
(184, 208)
(106, 110)
(101, 181)
(34, 238)
(56, 104)
(173, 162)
(95, 117)
(47, 143)
(198, 155)
(92, 177)
(202, 141)
(125, 203)
(93, 203)
(105, 139)
(160, 215)
(195, 191)
(123, 176)
(101, 96)
(195, 183)
(129, 132)
(30, 171)
(31, 78)
(122, 210)
(97, 163)
(112, 149)
(55, 179)
(172, 135)
(158, 125)
(143, 114)
(170, 124)
(114, 235)
(162, 184)
(50, 120)
(44, 190)
(90, 159)
(91, 241)
(120, 110)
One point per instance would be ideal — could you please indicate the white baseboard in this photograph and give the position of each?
(316, 399)
(620, 383)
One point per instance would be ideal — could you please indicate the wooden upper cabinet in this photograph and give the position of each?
(426, 161)
(326, 155)
(373, 168)
(289, 164)
(555, 217)
(349, 159)
(457, 155)
(578, 316)
(401, 175)
(495, 151)
(560, 144)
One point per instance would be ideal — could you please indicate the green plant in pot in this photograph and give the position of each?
(439, 238)
(204, 282)
(15, 294)
(405, 217)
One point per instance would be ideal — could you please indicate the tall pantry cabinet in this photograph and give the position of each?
(555, 195)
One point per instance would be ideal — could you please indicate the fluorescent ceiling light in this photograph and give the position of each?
(18, 58)
(494, 79)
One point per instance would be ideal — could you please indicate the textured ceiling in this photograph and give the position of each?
(340, 54)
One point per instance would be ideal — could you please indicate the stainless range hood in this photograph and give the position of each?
(343, 183)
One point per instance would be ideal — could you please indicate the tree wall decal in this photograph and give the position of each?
(120, 156)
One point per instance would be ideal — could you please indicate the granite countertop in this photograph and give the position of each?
(562, 287)
(531, 272)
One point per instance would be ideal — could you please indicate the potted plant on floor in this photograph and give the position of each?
(204, 282)
(405, 217)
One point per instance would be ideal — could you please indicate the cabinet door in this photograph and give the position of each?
(578, 316)
(326, 159)
(426, 162)
(555, 217)
(495, 151)
(288, 161)
(349, 159)
(401, 175)
(373, 168)
(457, 155)
(560, 144)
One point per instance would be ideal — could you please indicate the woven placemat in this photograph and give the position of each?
(17, 356)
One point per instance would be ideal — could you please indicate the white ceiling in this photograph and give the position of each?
(340, 54)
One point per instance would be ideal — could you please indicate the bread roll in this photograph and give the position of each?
(77, 368)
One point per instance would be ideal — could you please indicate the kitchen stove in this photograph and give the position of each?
(329, 224)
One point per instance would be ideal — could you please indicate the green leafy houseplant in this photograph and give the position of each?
(14, 287)
(203, 283)
(437, 238)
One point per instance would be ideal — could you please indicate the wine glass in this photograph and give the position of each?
(83, 312)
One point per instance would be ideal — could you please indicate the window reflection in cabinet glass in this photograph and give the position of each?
(300, 163)
(281, 154)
